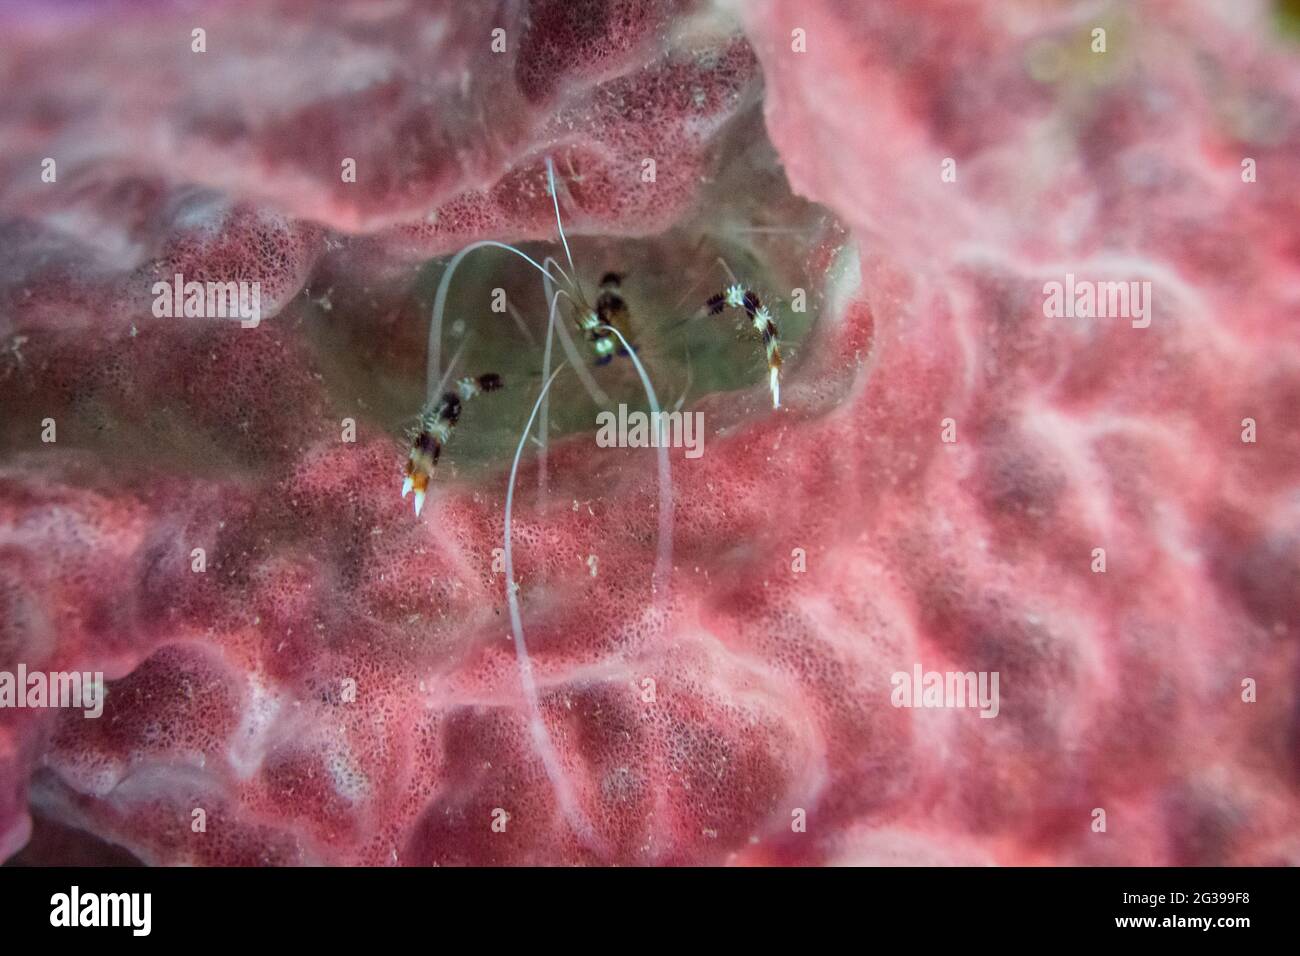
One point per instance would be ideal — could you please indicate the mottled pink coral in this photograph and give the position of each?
(691, 733)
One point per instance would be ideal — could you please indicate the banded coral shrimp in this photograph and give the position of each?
(599, 324)
(606, 334)
(606, 330)
(603, 324)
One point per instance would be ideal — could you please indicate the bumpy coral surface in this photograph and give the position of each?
(330, 679)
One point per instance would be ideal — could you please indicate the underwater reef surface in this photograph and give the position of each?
(1102, 509)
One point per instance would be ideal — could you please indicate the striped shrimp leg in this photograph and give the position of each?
(738, 297)
(434, 431)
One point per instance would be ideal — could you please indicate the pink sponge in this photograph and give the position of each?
(301, 672)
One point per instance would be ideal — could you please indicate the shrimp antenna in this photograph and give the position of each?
(544, 429)
(564, 794)
(550, 182)
(433, 370)
(664, 556)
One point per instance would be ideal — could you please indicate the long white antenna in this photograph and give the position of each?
(545, 747)
(659, 581)
(550, 182)
(433, 369)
